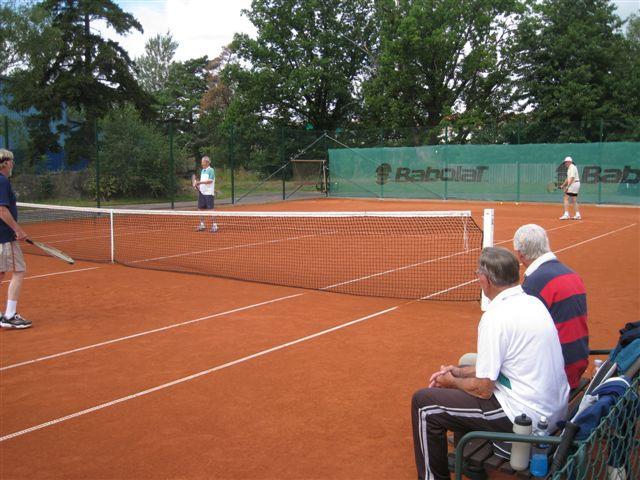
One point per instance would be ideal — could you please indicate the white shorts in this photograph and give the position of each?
(574, 188)
(11, 258)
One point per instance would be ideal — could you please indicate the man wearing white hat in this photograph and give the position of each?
(571, 187)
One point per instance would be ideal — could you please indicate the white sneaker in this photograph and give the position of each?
(200, 228)
(565, 217)
(577, 217)
(214, 228)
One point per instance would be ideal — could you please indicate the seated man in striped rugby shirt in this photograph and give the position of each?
(563, 293)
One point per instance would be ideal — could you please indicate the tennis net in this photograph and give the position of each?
(412, 255)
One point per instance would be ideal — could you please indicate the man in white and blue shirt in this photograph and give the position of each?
(206, 191)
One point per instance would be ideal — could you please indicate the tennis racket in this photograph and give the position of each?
(193, 181)
(553, 186)
(54, 252)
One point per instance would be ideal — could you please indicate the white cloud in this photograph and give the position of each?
(201, 27)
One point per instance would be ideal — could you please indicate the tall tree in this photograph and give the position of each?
(633, 28)
(574, 63)
(214, 106)
(153, 66)
(83, 70)
(186, 85)
(15, 29)
(438, 57)
(305, 64)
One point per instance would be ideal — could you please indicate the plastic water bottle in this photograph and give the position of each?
(521, 451)
(539, 459)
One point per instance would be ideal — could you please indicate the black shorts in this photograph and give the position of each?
(205, 202)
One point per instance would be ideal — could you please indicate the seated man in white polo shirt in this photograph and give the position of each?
(519, 369)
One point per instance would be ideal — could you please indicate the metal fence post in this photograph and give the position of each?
(282, 156)
(517, 179)
(444, 159)
(600, 161)
(6, 132)
(232, 165)
(95, 139)
(172, 173)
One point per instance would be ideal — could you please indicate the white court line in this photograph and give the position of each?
(192, 377)
(599, 236)
(147, 332)
(56, 273)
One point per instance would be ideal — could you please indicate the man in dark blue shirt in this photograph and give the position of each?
(11, 258)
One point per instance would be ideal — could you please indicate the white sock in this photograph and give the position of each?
(11, 308)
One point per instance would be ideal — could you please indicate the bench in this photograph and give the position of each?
(475, 456)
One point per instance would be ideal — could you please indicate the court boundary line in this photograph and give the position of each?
(248, 357)
(146, 332)
(193, 376)
(56, 273)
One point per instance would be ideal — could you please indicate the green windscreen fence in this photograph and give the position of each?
(609, 172)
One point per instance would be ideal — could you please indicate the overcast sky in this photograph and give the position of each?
(203, 27)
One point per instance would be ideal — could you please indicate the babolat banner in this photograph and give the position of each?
(609, 172)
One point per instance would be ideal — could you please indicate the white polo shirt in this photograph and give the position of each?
(519, 349)
(208, 174)
(572, 172)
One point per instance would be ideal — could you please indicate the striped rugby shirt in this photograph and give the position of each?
(564, 294)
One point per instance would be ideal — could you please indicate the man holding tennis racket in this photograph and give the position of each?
(571, 187)
(11, 258)
(206, 191)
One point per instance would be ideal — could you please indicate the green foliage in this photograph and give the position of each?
(69, 64)
(153, 66)
(437, 58)
(46, 187)
(133, 158)
(633, 29)
(574, 68)
(306, 63)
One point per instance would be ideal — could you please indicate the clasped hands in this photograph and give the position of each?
(445, 377)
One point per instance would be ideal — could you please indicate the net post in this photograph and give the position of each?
(112, 237)
(487, 241)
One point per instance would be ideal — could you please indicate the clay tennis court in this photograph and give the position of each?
(135, 373)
